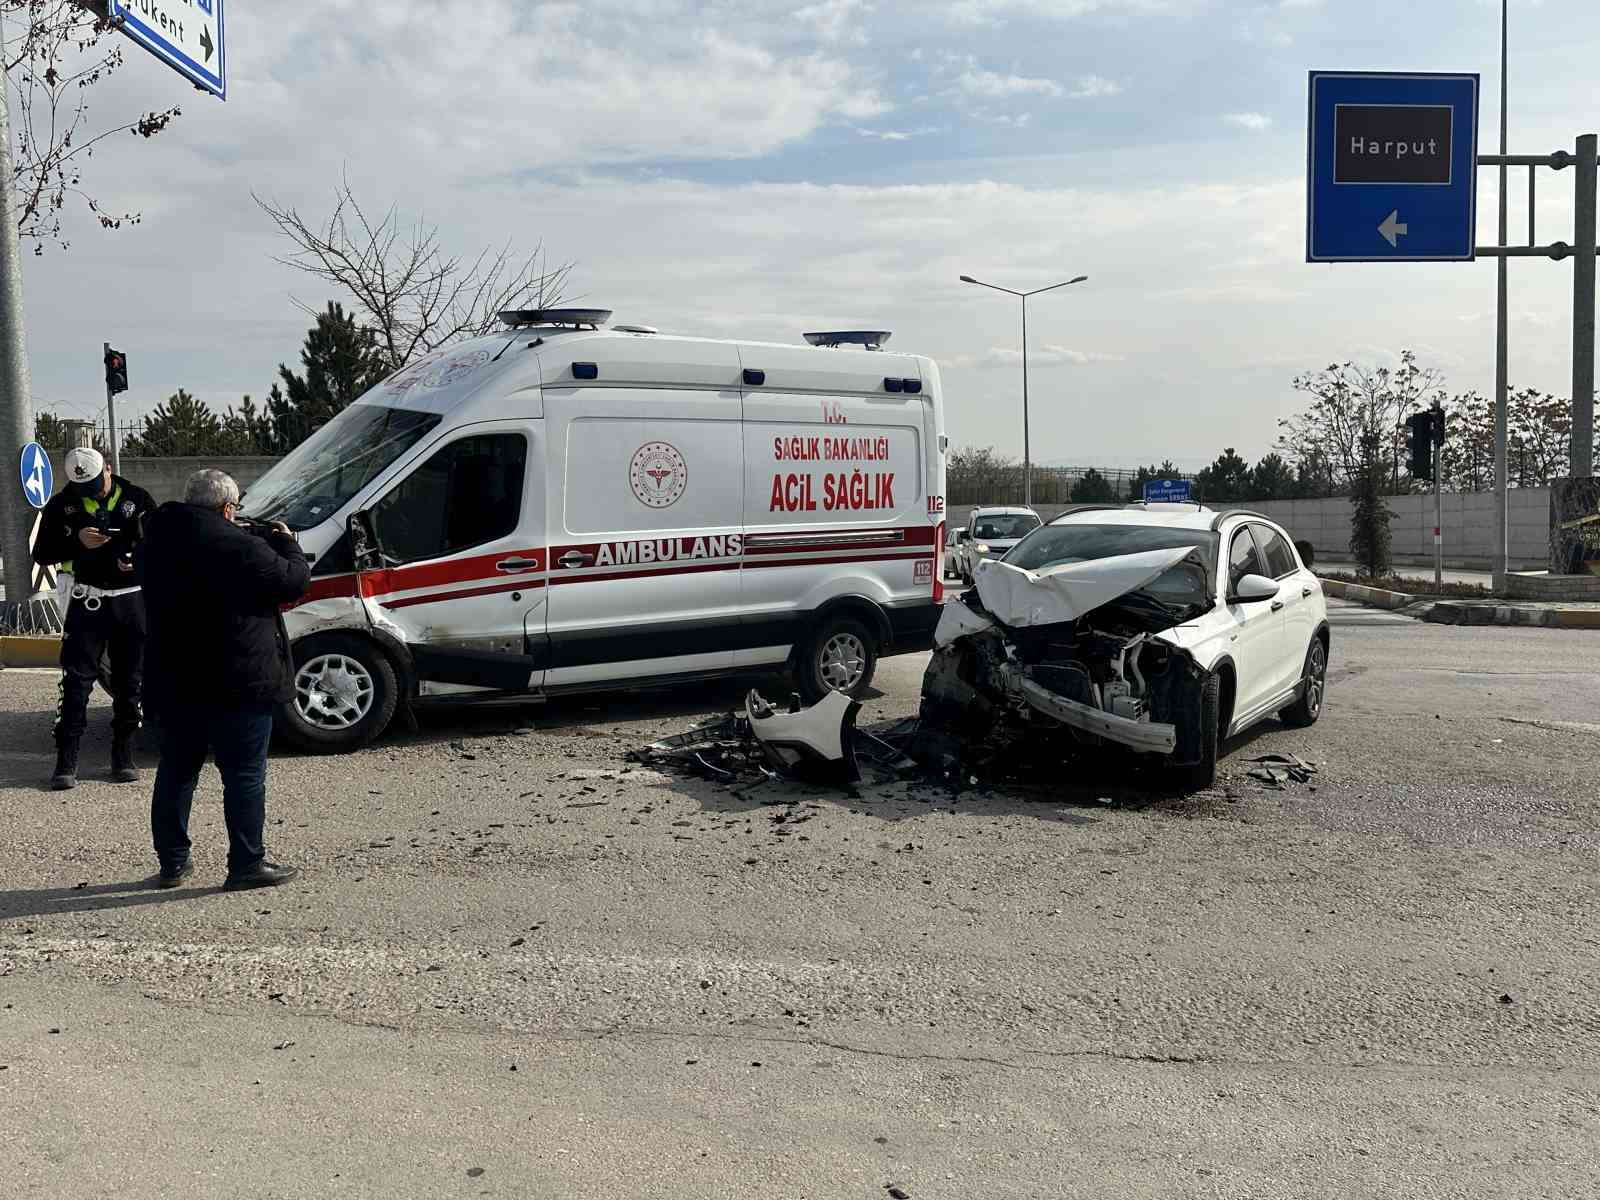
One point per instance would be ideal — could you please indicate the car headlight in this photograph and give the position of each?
(983, 547)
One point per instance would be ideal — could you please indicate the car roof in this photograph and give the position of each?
(1169, 516)
(1001, 510)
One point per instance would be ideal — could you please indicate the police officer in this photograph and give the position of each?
(89, 529)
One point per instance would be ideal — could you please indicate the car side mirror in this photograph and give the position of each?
(364, 548)
(1253, 589)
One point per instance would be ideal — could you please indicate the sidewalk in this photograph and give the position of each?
(1489, 611)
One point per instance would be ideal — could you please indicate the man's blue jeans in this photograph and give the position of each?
(238, 738)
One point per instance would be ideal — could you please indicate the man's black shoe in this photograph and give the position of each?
(171, 877)
(263, 874)
(123, 769)
(66, 772)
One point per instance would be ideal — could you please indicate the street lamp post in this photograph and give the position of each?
(1027, 455)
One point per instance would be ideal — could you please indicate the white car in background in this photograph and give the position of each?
(1162, 628)
(989, 533)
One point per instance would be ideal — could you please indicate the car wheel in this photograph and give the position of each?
(1203, 774)
(840, 656)
(345, 694)
(1313, 689)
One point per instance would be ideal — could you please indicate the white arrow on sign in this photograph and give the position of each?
(1393, 228)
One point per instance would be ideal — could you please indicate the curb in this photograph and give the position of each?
(1370, 596)
(30, 651)
(1446, 613)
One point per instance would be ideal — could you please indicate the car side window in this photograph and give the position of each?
(1280, 558)
(1243, 558)
(466, 494)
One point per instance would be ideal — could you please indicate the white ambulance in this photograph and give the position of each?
(569, 505)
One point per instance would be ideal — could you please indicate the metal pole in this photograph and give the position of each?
(16, 403)
(1438, 518)
(1027, 452)
(1583, 245)
(1501, 340)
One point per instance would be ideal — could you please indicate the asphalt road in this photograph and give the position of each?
(516, 967)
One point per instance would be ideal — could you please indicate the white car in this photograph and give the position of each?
(1164, 628)
(989, 533)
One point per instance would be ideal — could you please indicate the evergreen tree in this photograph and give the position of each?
(1093, 488)
(1369, 523)
(339, 362)
(1226, 480)
(183, 427)
(1272, 479)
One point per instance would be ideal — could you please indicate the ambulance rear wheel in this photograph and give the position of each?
(840, 656)
(345, 694)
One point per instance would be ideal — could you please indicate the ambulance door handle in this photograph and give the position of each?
(574, 559)
(517, 564)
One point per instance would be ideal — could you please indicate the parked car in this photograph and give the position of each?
(989, 533)
(952, 552)
(1165, 629)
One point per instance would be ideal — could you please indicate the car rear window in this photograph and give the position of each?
(1280, 559)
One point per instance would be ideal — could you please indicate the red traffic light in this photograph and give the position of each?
(116, 371)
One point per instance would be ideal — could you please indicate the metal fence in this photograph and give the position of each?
(1051, 485)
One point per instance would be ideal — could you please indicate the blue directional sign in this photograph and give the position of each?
(38, 480)
(1392, 168)
(1166, 491)
(184, 34)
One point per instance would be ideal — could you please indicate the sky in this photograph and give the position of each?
(752, 168)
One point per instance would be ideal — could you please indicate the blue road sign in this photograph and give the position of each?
(38, 480)
(1166, 491)
(1392, 167)
(184, 34)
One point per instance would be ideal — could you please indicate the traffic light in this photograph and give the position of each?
(116, 371)
(1419, 444)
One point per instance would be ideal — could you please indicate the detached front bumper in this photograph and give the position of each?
(1152, 737)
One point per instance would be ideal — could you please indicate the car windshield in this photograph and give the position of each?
(1185, 587)
(1001, 527)
(335, 463)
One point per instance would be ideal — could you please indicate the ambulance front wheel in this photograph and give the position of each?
(840, 656)
(345, 694)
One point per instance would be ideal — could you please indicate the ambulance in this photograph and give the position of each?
(568, 505)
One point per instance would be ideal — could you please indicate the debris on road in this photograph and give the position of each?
(1277, 771)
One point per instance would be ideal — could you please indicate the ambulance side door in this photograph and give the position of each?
(645, 524)
(462, 575)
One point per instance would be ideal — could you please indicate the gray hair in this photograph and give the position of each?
(210, 488)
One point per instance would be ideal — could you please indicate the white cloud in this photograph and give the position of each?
(836, 20)
(1253, 121)
(1045, 355)
(992, 85)
(896, 135)
(1091, 86)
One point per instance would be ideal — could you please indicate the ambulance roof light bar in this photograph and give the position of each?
(872, 339)
(576, 318)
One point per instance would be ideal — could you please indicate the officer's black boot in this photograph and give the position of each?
(123, 769)
(66, 776)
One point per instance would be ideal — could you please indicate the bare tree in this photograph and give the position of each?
(55, 52)
(407, 290)
(1349, 402)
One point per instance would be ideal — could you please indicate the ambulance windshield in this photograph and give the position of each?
(335, 463)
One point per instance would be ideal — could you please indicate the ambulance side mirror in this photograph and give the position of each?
(364, 548)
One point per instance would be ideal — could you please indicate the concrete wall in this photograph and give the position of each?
(164, 478)
(1468, 526)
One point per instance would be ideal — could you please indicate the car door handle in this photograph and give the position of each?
(517, 564)
(1304, 592)
(1277, 606)
(573, 558)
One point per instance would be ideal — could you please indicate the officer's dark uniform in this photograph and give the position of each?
(96, 626)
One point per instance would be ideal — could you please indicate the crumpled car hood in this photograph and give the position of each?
(1020, 598)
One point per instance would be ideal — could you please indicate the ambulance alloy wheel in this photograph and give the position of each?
(344, 694)
(839, 656)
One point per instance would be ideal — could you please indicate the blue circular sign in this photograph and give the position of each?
(38, 480)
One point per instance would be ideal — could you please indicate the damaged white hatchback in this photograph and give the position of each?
(1162, 628)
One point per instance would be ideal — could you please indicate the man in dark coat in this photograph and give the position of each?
(90, 528)
(217, 664)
